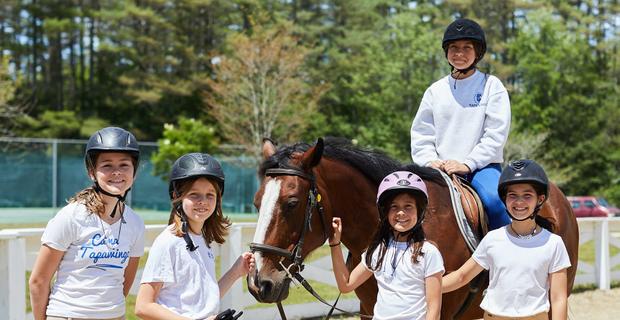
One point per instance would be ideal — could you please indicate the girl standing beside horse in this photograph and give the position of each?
(407, 268)
(527, 263)
(181, 262)
(463, 120)
(94, 243)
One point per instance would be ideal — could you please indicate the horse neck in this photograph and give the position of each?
(351, 196)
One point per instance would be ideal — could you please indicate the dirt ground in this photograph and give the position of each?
(590, 305)
(594, 305)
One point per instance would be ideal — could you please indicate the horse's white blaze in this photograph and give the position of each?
(267, 204)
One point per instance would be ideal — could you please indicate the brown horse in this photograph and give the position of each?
(304, 186)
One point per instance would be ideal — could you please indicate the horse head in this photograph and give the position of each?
(289, 207)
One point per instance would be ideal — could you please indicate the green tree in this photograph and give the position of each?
(380, 68)
(8, 110)
(563, 90)
(189, 135)
(260, 89)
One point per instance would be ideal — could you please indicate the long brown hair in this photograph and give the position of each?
(88, 196)
(384, 233)
(215, 228)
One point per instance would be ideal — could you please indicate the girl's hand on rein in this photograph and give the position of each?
(334, 239)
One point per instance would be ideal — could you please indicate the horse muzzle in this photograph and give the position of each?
(268, 289)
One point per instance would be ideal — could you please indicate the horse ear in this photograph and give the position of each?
(312, 157)
(269, 148)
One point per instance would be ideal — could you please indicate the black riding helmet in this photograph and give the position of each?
(523, 171)
(195, 165)
(111, 139)
(465, 29)
(188, 166)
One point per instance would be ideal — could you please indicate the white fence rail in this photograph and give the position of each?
(19, 247)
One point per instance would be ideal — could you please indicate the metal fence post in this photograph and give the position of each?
(12, 276)
(54, 173)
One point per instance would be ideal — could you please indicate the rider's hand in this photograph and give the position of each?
(334, 239)
(437, 164)
(455, 167)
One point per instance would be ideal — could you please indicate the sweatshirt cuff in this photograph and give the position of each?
(471, 165)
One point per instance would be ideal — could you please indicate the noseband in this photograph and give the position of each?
(314, 201)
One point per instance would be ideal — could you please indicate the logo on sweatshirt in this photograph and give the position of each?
(477, 99)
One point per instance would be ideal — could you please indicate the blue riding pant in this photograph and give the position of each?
(485, 182)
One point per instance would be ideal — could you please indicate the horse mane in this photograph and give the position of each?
(373, 164)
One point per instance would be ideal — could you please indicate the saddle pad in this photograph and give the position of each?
(461, 220)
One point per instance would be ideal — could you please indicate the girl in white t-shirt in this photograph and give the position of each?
(179, 279)
(526, 262)
(94, 243)
(407, 268)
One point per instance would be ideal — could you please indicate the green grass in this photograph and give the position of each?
(587, 251)
(297, 294)
(130, 303)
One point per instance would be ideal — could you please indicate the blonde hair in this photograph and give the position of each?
(91, 199)
(215, 228)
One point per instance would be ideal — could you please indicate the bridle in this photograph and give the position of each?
(314, 201)
(293, 270)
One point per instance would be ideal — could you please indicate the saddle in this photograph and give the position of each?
(468, 208)
(472, 205)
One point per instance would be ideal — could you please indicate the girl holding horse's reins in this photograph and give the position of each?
(408, 269)
(463, 120)
(94, 243)
(181, 262)
(526, 262)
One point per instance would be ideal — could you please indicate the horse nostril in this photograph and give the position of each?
(265, 287)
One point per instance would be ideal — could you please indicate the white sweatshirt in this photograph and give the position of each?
(467, 120)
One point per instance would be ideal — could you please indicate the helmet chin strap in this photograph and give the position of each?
(120, 199)
(189, 244)
(463, 71)
(531, 216)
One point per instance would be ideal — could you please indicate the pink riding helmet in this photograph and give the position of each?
(401, 180)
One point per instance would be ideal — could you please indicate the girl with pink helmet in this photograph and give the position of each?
(408, 268)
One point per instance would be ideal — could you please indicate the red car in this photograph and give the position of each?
(590, 206)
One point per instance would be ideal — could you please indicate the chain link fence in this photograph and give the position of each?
(47, 172)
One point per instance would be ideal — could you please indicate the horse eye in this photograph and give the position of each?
(292, 203)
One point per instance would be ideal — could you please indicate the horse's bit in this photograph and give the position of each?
(314, 201)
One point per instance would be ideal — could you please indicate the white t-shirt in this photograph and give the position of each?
(89, 279)
(402, 289)
(519, 271)
(189, 283)
(469, 123)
